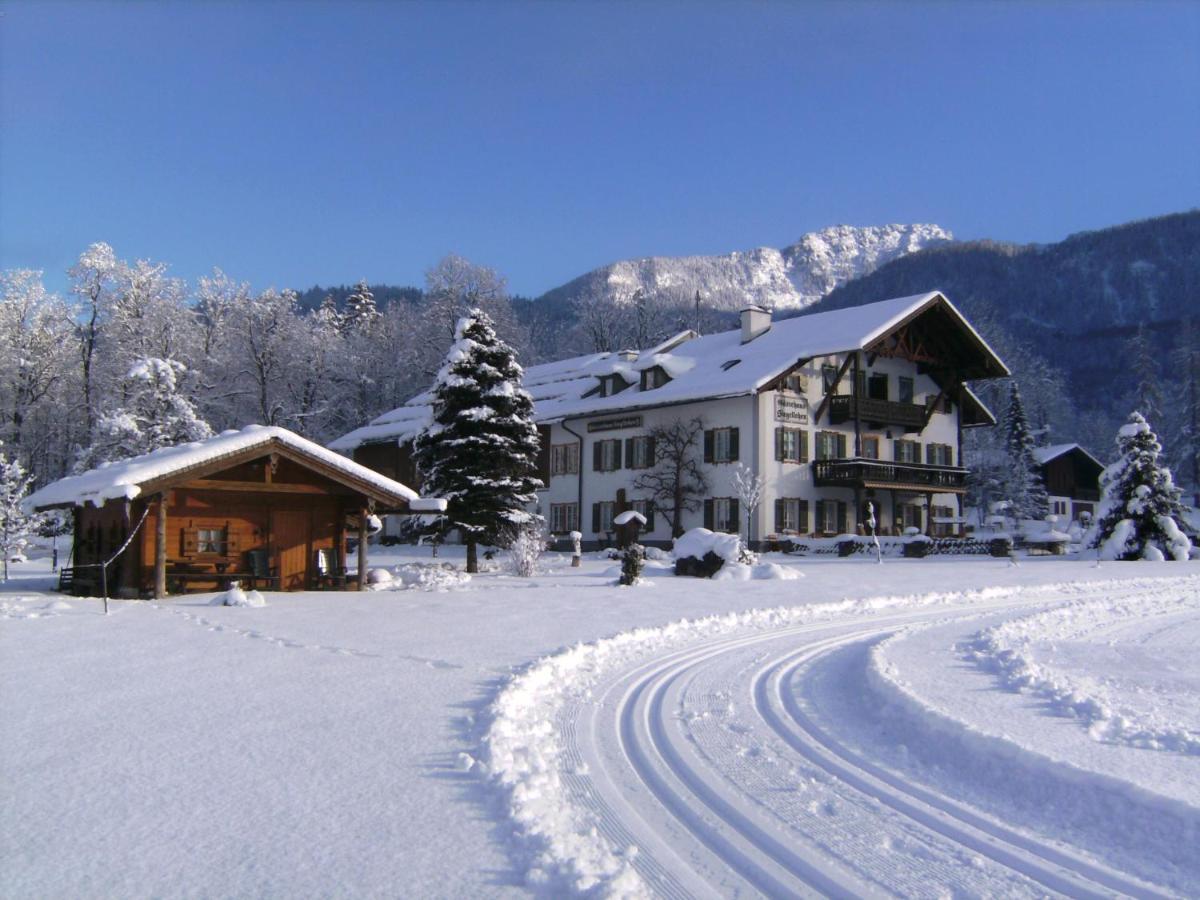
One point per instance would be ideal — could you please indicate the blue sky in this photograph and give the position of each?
(293, 144)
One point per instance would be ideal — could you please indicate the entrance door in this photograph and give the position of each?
(290, 535)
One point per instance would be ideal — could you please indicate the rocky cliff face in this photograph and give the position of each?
(791, 278)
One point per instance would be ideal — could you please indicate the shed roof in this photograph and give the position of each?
(1044, 455)
(154, 471)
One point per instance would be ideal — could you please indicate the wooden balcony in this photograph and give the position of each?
(894, 476)
(909, 416)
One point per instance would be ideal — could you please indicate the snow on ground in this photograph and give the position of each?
(348, 744)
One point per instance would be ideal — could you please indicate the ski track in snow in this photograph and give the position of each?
(699, 759)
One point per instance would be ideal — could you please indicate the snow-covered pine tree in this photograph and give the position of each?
(15, 526)
(156, 414)
(1023, 484)
(480, 451)
(328, 316)
(360, 308)
(1139, 511)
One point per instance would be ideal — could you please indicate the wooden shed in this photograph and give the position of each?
(262, 506)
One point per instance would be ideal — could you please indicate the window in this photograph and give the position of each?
(654, 377)
(831, 516)
(939, 455)
(870, 448)
(721, 445)
(646, 508)
(791, 445)
(564, 459)
(907, 451)
(729, 364)
(828, 378)
(212, 540)
(791, 515)
(797, 383)
(612, 384)
(909, 515)
(602, 516)
(906, 389)
(639, 452)
(721, 514)
(606, 456)
(877, 386)
(831, 445)
(564, 517)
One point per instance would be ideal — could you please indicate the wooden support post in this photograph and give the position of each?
(857, 421)
(160, 549)
(929, 514)
(362, 549)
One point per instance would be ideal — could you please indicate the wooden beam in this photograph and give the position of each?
(160, 549)
(833, 388)
(362, 549)
(260, 487)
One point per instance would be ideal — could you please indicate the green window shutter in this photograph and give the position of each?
(616, 453)
(819, 524)
(597, 460)
(596, 518)
(709, 440)
(733, 444)
(651, 451)
(629, 453)
(930, 454)
(802, 517)
(779, 523)
(735, 517)
(708, 514)
(779, 443)
(841, 446)
(841, 517)
(649, 515)
(803, 446)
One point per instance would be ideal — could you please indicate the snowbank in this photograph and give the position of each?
(438, 577)
(699, 542)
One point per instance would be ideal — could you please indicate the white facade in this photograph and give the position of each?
(888, 432)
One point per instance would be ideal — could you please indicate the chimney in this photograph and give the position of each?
(755, 321)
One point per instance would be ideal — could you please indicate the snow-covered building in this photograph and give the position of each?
(1072, 479)
(830, 409)
(261, 505)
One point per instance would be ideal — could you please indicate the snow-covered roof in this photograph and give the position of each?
(699, 366)
(125, 479)
(1044, 455)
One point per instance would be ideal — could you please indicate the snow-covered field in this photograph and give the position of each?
(923, 728)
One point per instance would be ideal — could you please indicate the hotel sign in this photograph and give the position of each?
(615, 424)
(791, 408)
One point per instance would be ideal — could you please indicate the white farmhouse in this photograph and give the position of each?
(831, 409)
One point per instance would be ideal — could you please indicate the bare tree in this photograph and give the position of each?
(749, 489)
(676, 483)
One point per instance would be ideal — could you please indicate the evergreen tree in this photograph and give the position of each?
(15, 525)
(480, 451)
(360, 308)
(327, 316)
(1023, 483)
(155, 414)
(1140, 511)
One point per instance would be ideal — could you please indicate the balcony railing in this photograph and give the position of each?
(910, 416)
(872, 473)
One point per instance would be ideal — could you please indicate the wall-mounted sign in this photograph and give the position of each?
(791, 408)
(615, 424)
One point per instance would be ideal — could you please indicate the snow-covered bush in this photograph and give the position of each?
(15, 524)
(1138, 512)
(632, 561)
(525, 551)
(700, 553)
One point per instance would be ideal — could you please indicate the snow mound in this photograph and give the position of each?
(438, 577)
(235, 596)
(700, 541)
(735, 571)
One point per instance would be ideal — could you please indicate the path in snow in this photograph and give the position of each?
(713, 758)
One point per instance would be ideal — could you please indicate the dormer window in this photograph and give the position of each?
(729, 364)
(796, 383)
(612, 384)
(654, 377)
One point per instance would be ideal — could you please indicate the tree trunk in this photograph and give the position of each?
(160, 549)
(472, 557)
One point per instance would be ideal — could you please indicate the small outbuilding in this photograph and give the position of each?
(1072, 479)
(262, 506)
